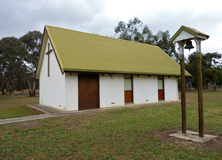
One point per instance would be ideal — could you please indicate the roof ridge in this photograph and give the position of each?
(101, 36)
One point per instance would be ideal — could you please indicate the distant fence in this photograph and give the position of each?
(219, 87)
(206, 88)
(211, 88)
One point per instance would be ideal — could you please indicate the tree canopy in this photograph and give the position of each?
(32, 42)
(18, 60)
(13, 56)
(211, 69)
(135, 31)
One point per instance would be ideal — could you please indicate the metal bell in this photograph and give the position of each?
(189, 45)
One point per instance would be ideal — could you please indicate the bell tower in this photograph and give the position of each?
(184, 36)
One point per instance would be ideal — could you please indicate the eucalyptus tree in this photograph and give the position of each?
(130, 31)
(32, 42)
(212, 73)
(13, 56)
(211, 68)
(135, 31)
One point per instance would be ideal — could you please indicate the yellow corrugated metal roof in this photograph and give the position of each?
(84, 52)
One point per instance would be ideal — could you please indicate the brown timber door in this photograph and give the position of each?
(88, 91)
(128, 96)
(160, 89)
(128, 88)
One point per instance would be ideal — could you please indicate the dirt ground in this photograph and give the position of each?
(164, 135)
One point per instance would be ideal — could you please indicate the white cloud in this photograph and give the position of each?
(102, 16)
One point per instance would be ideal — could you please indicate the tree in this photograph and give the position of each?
(32, 42)
(130, 31)
(211, 68)
(134, 31)
(191, 67)
(219, 74)
(12, 61)
(162, 39)
(2, 78)
(211, 60)
(212, 73)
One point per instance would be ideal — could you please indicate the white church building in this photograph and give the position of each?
(78, 71)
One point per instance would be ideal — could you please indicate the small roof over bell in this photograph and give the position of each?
(187, 33)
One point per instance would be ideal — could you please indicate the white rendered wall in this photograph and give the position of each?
(111, 91)
(145, 88)
(51, 88)
(71, 88)
(170, 89)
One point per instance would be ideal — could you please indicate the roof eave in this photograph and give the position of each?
(55, 52)
(122, 72)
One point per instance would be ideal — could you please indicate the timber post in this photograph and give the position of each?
(183, 88)
(200, 89)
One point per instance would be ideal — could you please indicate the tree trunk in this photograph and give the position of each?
(3, 88)
(215, 85)
(33, 89)
(3, 93)
(10, 87)
(12, 95)
(30, 89)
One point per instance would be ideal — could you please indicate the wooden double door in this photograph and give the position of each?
(88, 85)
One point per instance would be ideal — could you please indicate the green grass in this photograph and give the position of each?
(17, 107)
(121, 134)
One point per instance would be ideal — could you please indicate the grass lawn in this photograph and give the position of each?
(17, 107)
(139, 133)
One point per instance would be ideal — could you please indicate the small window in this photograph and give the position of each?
(160, 83)
(127, 82)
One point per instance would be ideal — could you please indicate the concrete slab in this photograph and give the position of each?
(45, 109)
(193, 136)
